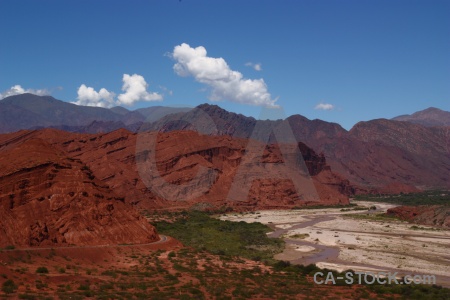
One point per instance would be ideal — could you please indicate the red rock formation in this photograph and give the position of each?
(371, 155)
(433, 215)
(180, 155)
(49, 198)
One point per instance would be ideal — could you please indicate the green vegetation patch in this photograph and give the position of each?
(415, 227)
(203, 232)
(42, 270)
(9, 287)
(436, 197)
(299, 236)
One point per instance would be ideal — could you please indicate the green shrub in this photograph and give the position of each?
(27, 296)
(42, 270)
(9, 286)
(111, 273)
(40, 285)
(225, 238)
(84, 287)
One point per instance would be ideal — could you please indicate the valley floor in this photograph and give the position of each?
(158, 271)
(210, 265)
(361, 240)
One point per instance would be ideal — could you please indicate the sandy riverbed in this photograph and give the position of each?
(334, 239)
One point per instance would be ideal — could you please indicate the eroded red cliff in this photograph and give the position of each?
(433, 215)
(67, 188)
(50, 198)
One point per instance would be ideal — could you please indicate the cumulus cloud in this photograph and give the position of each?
(257, 67)
(134, 88)
(225, 84)
(18, 89)
(87, 96)
(324, 106)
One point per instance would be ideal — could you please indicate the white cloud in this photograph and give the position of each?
(87, 96)
(135, 88)
(17, 90)
(324, 106)
(215, 73)
(257, 67)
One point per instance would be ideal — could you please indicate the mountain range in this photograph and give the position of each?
(62, 188)
(73, 175)
(386, 156)
(404, 154)
(28, 111)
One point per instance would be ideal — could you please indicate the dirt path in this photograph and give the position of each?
(162, 239)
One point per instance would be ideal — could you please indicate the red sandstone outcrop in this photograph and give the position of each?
(111, 159)
(433, 215)
(371, 155)
(50, 198)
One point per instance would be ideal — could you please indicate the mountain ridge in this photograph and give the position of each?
(28, 111)
(431, 116)
(111, 160)
(375, 155)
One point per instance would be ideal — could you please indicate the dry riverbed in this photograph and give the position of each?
(358, 240)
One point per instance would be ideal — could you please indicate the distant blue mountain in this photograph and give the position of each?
(29, 111)
(428, 117)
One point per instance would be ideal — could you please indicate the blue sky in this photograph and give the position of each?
(367, 59)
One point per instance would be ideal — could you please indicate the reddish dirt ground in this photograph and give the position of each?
(173, 271)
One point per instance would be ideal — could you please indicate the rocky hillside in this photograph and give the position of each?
(109, 162)
(48, 197)
(428, 117)
(385, 152)
(433, 215)
(377, 155)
